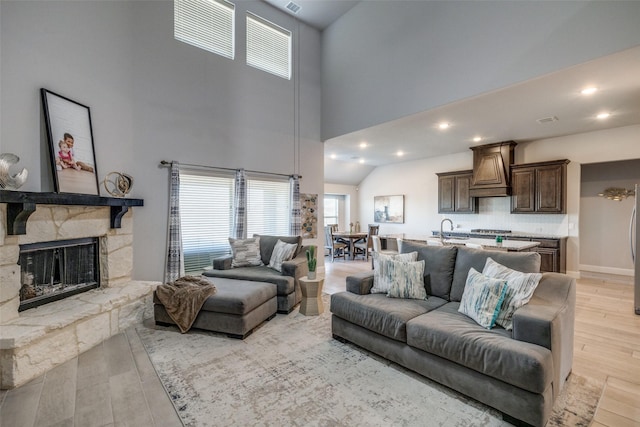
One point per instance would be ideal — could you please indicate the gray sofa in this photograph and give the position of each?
(287, 282)
(519, 372)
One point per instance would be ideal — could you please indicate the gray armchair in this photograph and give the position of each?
(287, 282)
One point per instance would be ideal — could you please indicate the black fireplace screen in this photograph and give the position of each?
(54, 270)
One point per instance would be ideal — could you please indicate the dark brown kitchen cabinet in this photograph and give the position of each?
(539, 188)
(552, 253)
(453, 193)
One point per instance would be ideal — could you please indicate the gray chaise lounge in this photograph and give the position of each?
(287, 282)
(519, 372)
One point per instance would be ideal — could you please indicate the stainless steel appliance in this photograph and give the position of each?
(634, 237)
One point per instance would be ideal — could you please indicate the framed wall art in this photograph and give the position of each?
(309, 215)
(70, 138)
(388, 209)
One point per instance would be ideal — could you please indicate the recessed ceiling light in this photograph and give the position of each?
(333, 156)
(361, 160)
(363, 145)
(477, 139)
(589, 90)
(603, 116)
(400, 153)
(443, 125)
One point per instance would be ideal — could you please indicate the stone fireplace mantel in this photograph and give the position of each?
(21, 204)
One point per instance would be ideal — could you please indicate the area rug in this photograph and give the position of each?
(291, 371)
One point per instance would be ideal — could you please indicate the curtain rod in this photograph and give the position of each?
(168, 163)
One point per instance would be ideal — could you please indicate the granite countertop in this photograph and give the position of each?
(518, 234)
(491, 244)
(506, 245)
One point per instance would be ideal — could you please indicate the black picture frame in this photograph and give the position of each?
(70, 140)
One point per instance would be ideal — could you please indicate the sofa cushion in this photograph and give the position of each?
(520, 288)
(382, 279)
(376, 312)
(246, 252)
(267, 243)
(527, 262)
(407, 280)
(282, 252)
(285, 284)
(453, 336)
(482, 298)
(438, 268)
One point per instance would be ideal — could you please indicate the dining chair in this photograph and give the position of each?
(336, 249)
(363, 247)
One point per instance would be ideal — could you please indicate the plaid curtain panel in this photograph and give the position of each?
(295, 224)
(239, 230)
(175, 258)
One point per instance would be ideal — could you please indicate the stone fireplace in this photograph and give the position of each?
(34, 339)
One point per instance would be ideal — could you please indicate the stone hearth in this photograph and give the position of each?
(36, 340)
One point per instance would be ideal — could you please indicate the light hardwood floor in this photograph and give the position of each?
(114, 384)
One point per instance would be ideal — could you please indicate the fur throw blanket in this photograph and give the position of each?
(184, 298)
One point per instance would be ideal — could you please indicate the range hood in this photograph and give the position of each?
(492, 170)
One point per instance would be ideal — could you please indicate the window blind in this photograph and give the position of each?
(268, 210)
(206, 218)
(268, 46)
(207, 24)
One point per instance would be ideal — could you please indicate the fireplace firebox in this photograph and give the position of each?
(50, 271)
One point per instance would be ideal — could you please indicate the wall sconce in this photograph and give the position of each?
(617, 194)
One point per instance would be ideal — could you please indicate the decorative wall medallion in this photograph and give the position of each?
(309, 215)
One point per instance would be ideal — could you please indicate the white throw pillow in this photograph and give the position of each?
(381, 280)
(281, 252)
(520, 288)
(407, 280)
(246, 252)
(482, 298)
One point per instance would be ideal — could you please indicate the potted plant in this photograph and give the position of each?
(311, 262)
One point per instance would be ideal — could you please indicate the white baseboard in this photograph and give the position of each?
(607, 270)
(617, 275)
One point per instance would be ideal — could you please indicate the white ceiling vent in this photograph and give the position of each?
(293, 7)
(547, 120)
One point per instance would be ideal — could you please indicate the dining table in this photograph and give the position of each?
(352, 237)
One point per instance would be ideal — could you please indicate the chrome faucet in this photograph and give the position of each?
(441, 228)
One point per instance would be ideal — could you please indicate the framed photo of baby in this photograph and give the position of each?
(70, 144)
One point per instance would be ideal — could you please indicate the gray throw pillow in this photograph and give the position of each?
(246, 252)
(382, 280)
(281, 252)
(407, 280)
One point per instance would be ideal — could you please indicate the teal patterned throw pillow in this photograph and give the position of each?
(382, 279)
(482, 298)
(246, 252)
(520, 288)
(407, 280)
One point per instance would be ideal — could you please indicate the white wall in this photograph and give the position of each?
(154, 98)
(419, 184)
(604, 224)
(384, 60)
